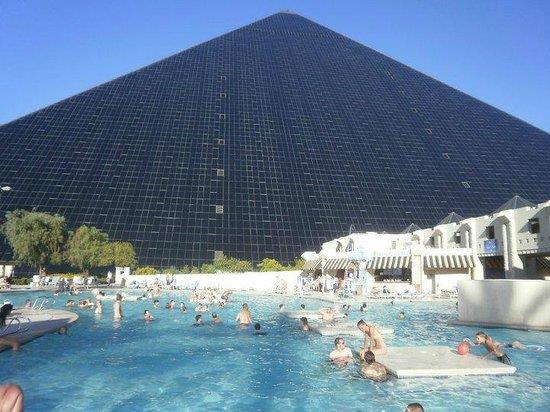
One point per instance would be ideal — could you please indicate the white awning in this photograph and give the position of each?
(311, 265)
(335, 264)
(448, 261)
(389, 262)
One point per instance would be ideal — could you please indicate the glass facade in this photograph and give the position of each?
(265, 142)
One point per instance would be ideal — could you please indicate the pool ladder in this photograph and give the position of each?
(40, 301)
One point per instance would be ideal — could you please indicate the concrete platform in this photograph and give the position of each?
(345, 329)
(434, 361)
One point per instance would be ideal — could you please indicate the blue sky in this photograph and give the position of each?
(496, 51)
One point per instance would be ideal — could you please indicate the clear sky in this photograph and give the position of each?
(495, 50)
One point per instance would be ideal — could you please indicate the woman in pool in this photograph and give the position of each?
(216, 319)
(117, 307)
(493, 347)
(198, 321)
(373, 339)
(244, 317)
(370, 369)
(341, 355)
(305, 324)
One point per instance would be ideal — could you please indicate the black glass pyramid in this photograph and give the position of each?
(267, 141)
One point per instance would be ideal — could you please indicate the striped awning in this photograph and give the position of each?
(389, 262)
(544, 262)
(335, 264)
(448, 261)
(311, 265)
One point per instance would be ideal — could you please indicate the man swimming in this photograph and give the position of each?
(117, 307)
(198, 321)
(341, 355)
(147, 317)
(305, 324)
(363, 307)
(216, 319)
(258, 330)
(493, 347)
(402, 315)
(370, 369)
(244, 317)
(373, 339)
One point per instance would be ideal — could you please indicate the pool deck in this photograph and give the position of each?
(438, 361)
(346, 329)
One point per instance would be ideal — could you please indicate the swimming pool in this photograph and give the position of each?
(170, 365)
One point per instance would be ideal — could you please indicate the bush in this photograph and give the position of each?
(145, 270)
(20, 281)
(170, 271)
(270, 265)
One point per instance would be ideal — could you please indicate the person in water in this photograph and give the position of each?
(402, 315)
(11, 398)
(258, 330)
(302, 307)
(98, 307)
(156, 304)
(493, 347)
(341, 355)
(198, 321)
(244, 317)
(414, 407)
(281, 307)
(70, 303)
(363, 307)
(62, 330)
(183, 308)
(370, 369)
(304, 324)
(170, 305)
(28, 303)
(117, 307)
(216, 319)
(373, 339)
(147, 316)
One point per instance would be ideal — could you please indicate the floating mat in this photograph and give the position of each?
(432, 361)
(310, 314)
(347, 329)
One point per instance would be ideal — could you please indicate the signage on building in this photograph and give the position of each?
(490, 246)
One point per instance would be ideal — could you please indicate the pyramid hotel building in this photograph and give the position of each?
(265, 142)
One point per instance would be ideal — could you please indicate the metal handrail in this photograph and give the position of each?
(9, 324)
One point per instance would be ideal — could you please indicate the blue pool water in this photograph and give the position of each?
(169, 365)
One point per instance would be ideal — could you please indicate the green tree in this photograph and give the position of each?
(226, 264)
(270, 265)
(119, 254)
(36, 238)
(195, 270)
(172, 270)
(299, 264)
(86, 248)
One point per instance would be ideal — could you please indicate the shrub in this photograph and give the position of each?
(270, 265)
(20, 281)
(145, 270)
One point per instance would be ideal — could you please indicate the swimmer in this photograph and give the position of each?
(70, 303)
(147, 317)
(117, 307)
(170, 305)
(402, 315)
(281, 307)
(363, 307)
(244, 317)
(28, 303)
(493, 347)
(62, 330)
(10, 342)
(341, 355)
(183, 308)
(98, 307)
(258, 330)
(391, 303)
(11, 398)
(305, 324)
(198, 321)
(373, 339)
(370, 369)
(302, 307)
(156, 304)
(216, 319)
(414, 407)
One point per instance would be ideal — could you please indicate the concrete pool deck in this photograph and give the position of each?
(438, 361)
(346, 329)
